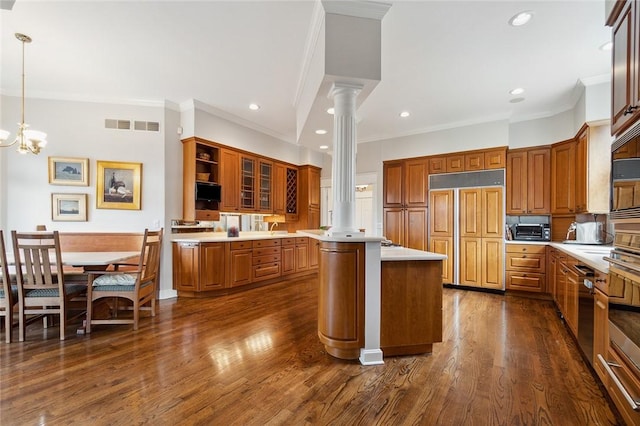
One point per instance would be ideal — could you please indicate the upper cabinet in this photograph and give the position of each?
(468, 161)
(406, 183)
(230, 178)
(200, 164)
(625, 74)
(529, 181)
(563, 177)
(309, 205)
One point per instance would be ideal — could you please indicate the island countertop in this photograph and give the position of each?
(388, 254)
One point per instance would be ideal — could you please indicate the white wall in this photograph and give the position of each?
(543, 131)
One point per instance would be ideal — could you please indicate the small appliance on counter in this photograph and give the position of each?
(531, 231)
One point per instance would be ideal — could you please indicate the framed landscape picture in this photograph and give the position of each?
(69, 171)
(69, 207)
(118, 185)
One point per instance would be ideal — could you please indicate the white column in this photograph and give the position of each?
(344, 158)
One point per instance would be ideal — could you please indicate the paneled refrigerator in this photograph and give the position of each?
(467, 224)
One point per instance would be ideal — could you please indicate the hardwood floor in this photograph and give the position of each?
(254, 358)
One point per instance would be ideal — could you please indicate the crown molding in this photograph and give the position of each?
(360, 9)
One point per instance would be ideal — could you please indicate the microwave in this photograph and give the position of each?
(531, 231)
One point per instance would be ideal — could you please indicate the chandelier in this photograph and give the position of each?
(29, 141)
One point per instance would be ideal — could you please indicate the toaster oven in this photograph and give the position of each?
(531, 231)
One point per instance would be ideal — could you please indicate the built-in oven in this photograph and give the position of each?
(625, 176)
(622, 362)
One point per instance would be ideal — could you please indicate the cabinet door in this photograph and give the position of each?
(212, 263)
(292, 194)
(229, 180)
(455, 163)
(394, 225)
(444, 245)
(437, 165)
(186, 266)
(241, 267)
(517, 185)
(491, 213)
(441, 218)
(288, 259)
(314, 188)
(470, 214)
(492, 263)
(248, 184)
(302, 257)
(416, 228)
(314, 253)
(416, 188)
(623, 74)
(279, 188)
(563, 178)
(471, 261)
(571, 301)
(495, 159)
(474, 161)
(582, 141)
(393, 183)
(314, 218)
(539, 181)
(265, 191)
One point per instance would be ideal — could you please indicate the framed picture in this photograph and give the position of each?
(118, 185)
(69, 171)
(69, 207)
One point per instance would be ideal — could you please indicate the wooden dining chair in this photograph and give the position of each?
(40, 278)
(136, 285)
(8, 292)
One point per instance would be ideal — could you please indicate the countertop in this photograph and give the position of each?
(389, 254)
(590, 254)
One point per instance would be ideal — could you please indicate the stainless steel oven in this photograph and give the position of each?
(622, 362)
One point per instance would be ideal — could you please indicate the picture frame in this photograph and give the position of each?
(69, 171)
(118, 185)
(68, 207)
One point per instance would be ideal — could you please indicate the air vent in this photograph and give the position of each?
(150, 126)
(110, 123)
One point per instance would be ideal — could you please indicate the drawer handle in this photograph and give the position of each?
(600, 305)
(607, 366)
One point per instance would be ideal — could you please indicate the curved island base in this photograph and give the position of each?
(409, 310)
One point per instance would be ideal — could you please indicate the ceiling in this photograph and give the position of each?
(449, 63)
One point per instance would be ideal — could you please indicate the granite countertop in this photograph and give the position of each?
(210, 237)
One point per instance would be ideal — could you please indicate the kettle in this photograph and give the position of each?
(589, 233)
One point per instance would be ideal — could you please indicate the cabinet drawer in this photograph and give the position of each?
(302, 241)
(627, 379)
(207, 214)
(526, 262)
(240, 245)
(525, 248)
(288, 241)
(272, 242)
(525, 281)
(266, 251)
(262, 260)
(264, 272)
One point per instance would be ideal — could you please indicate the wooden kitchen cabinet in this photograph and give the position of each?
(571, 302)
(309, 198)
(241, 263)
(405, 199)
(471, 261)
(526, 267)
(314, 253)
(441, 229)
(600, 331)
(492, 260)
(302, 253)
(625, 71)
(230, 180)
(529, 181)
(198, 267)
(563, 177)
(444, 245)
(455, 163)
(200, 163)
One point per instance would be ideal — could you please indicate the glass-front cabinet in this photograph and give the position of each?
(265, 193)
(247, 183)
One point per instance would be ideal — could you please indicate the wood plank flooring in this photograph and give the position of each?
(254, 358)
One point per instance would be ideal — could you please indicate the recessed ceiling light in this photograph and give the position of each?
(517, 91)
(405, 114)
(516, 100)
(254, 107)
(324, 146)
(607, 46)
(331, 111)
(321, 132)
(521, 18)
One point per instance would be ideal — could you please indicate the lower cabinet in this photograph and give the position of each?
(216, 267)
(481, 262)
(526, 267)
(600, 332)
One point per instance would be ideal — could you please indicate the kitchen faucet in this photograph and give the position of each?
(273, 225)
(572, 228)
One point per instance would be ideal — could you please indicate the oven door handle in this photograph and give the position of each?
(626, 265)
(607, 366)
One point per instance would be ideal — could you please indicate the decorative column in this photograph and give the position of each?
(344, 158)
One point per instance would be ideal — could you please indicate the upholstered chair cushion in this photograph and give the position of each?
(14, 292)
(114, 279)
(53, 292)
